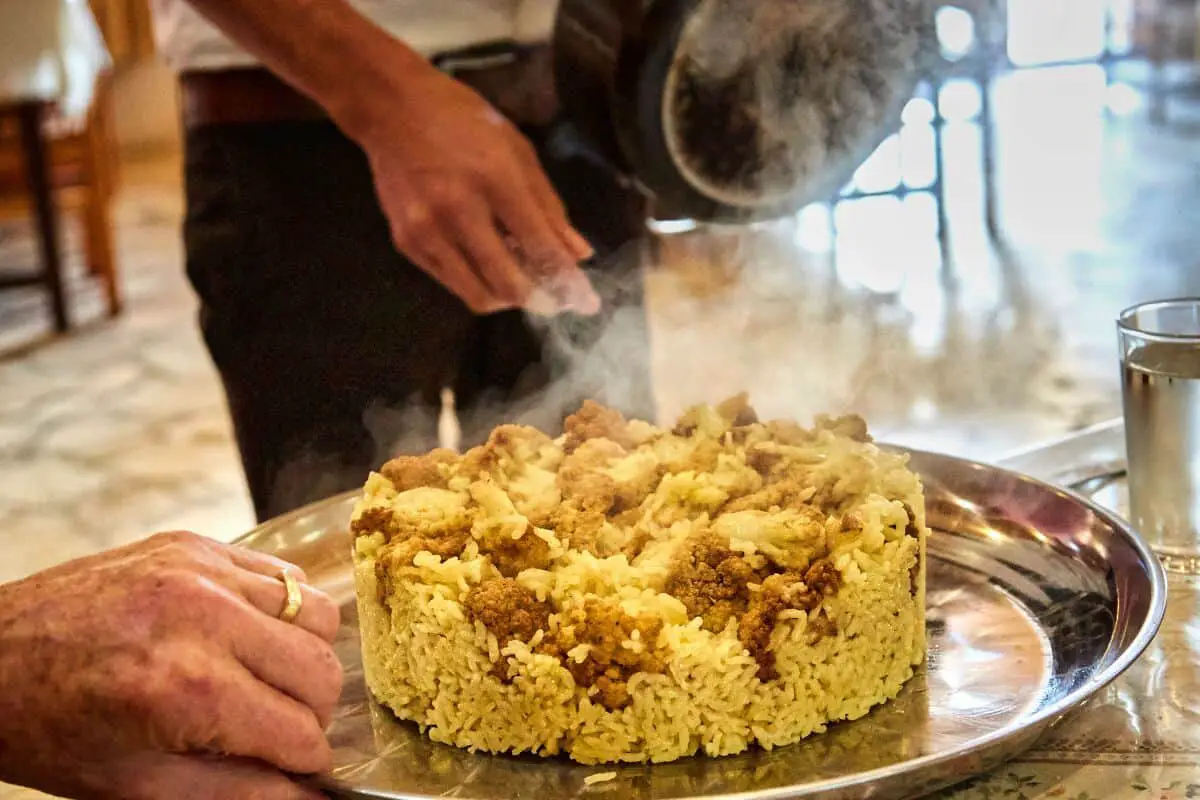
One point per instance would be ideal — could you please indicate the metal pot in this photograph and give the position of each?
(736, 110)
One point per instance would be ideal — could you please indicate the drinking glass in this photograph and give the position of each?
(1160, 364)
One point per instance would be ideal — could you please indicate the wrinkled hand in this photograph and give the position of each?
(468, 202)
(161, 670)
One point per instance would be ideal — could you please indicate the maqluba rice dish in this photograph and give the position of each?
(629, 593)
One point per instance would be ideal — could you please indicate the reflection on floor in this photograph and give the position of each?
(119, 429)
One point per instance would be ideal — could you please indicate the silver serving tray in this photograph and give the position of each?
(1037, 599)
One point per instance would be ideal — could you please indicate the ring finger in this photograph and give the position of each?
(263, 563)
(318, 615)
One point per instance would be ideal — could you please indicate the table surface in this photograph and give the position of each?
(1139, 738)
(50, 51)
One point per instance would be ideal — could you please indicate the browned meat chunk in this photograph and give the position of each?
(711, 580)
(823, 578)
(820, 627)
(507, 609)
(579, 528)
(374, 520)
(762, 461)
(787, 492)
(738, 410)
(410, 472)
(478, 461)
(638, 539)
(911, 530)
(608, 666)
(510, 556)
(594, 421)
(851, 426)
(400, 552)
(779, 592)
(702, 458)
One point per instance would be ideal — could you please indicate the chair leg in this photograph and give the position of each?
(37, 170)
(938, 189)
(987, 141)
(97, 226)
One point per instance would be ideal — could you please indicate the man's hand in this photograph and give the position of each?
(468, 201)
(161, 670)
(464, 193)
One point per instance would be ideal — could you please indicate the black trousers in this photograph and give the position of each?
(333, 348)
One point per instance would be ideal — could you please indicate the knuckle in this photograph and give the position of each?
(305, 748)
(327, 617)
(190, 688)
(177, 584)
(325, 684)
(417, 218)
(319, 755)
(159, 590)
(525, 148)
(128, 686)
(173, 539)
(403, 242)
(151, 695)
(332, 675)
(478, 305)
(448, 196)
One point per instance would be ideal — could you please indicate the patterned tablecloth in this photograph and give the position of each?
(1140, 738)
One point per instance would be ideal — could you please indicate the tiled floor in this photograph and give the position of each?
(120, 429)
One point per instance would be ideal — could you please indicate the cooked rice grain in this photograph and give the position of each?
(674, 683)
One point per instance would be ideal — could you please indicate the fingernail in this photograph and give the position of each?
(581, 297)
(573, 291)
(580, 246)
(588, 305)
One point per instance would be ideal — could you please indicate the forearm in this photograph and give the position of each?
(325, 49)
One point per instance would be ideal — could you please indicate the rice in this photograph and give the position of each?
(630, 594)
(599, 777)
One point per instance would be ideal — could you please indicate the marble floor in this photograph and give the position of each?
(119, 429)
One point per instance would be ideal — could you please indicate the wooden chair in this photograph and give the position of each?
(80, 178)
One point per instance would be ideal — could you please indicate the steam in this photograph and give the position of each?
(816, 84)
(604, 358)
(733, 309)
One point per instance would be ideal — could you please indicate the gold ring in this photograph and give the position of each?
(295, 598)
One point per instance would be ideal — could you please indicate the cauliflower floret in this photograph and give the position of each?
(497, 512)
(702, 421)
(641, 432)
(427, 506)
(594, 421)
(682, 495)
(534, 493)
(791, 538)
(519, 444)
(506, 536)
(634, 478)
(735, 477)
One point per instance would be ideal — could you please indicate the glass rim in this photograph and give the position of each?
(1125, 320)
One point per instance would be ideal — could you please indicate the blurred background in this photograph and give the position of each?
(960, 293)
